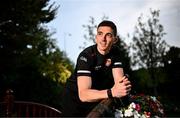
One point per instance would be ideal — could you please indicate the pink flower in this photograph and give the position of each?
(147, 114)
(138, 107)
(144, 106)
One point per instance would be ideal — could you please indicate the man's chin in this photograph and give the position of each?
(103, 48)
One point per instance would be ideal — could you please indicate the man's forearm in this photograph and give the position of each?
(92, 95)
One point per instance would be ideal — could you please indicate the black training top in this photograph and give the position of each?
(99, 67)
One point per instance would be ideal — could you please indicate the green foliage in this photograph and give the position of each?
(144, 78)
(143, 81)
(31, 64)
(58, 69)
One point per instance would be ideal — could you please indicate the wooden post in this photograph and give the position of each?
(100, 109)
(9, 101)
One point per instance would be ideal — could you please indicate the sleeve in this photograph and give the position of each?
(83, 65)
(116, 58)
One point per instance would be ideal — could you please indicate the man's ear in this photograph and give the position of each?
(115, 40)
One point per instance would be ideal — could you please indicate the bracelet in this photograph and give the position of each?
(109, 93)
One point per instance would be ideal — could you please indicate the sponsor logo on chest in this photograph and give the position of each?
(107, 63)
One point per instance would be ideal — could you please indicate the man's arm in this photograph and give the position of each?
(118, 74)
(86, 94)
(122, 85)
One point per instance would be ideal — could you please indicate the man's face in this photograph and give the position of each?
(104, 39)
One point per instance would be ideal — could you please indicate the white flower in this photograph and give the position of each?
(136, 115)
(143, 116)
(136, 110)
(132, 105)
(118, 113)
(153, 98)
(161, 111)
(128, 112)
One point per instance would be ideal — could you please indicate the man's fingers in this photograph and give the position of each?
(126, 75)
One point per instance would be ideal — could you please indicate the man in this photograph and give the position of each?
(98, 74)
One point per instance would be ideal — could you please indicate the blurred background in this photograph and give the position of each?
(40, 41)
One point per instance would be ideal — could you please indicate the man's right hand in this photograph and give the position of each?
(122, 88)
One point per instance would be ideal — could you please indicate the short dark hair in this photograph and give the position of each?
(110, 24)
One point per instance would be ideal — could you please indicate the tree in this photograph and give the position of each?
(30, 63)
(23, 37)
(148, 45)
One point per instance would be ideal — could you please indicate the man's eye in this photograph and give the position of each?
(109, 35)
(99, 33)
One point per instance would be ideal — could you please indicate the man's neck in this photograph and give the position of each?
(103, 52)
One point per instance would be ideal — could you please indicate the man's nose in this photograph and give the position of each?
(105, 36)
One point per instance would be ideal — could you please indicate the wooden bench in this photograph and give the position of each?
(11, 108)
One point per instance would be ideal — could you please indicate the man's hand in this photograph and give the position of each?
(122, 88)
